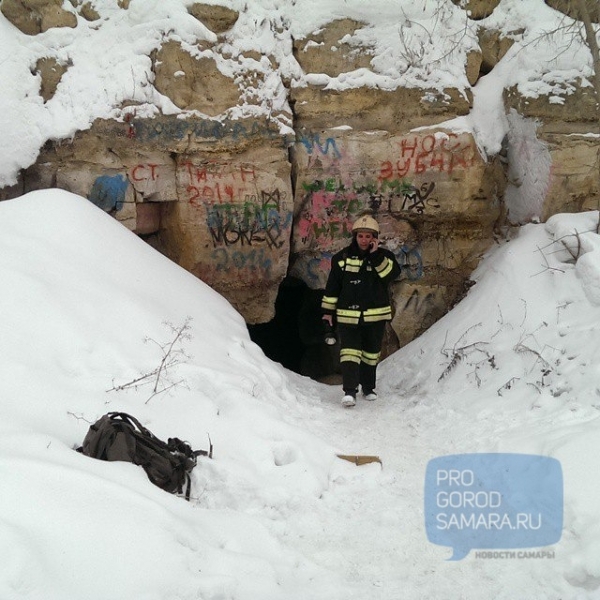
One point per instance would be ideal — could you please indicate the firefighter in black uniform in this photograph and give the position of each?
(356, 296)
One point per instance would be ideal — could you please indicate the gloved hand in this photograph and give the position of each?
(330, 335)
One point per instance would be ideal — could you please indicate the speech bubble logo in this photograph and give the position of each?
(493, 501)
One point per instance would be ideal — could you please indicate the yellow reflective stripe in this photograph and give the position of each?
(354, 262)
(385, 268)
(351, 351)
(352, 265)
(350, 355)
(375, 318)
(352, 317)
(348, 320)
(378, 314)
(329, 302)
(384, 263)
(370, 358)
(378, 311)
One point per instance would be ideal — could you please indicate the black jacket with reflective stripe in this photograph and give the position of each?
(357, 287)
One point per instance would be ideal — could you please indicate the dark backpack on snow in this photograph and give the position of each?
(119, 436)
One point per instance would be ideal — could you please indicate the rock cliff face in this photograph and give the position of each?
(244, 203)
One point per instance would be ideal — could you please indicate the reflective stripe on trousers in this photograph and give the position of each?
(360, 350)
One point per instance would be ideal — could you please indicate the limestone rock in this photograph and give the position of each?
(56, 16)
(571, 9)
(193, 134)
(147, 218)
(152, 176)
(88, 12)
(367, 109)
(330, 50)
(473, 66)
(232, 224)
(478, 9)
(575, 183)
(193, 84)
(13, 191)
(493, 47)
(35, 16)
(126, 214)
(566, 123)
(26, 15)
(51, 72)
(218, 19)
(108, 189)
(417, 307)
(566, 105)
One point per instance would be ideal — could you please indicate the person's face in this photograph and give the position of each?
(363, 239)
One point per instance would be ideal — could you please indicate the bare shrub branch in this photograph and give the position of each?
(548, 267)
(507, 386)
(457, 353)
(172, 354)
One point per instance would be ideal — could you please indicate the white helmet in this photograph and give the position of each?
(366, 222)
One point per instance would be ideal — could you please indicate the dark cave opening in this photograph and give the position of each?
(294, 337)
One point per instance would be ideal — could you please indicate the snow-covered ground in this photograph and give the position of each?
(275, 514)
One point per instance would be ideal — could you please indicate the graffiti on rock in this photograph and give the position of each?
(254, 260)
(419, 155)
(411, 155)
(317, 267)
(237, 210)
(329, 206)
(421, 303)
(394, 185)
(411, 262)
(144, 172)
(148, 130)
(218, 182)
(314, 146)
(251, 223)
(413, 199)
(246, 214)
(327, 216)
(108, 192)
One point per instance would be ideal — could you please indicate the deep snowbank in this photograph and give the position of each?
(80, 296)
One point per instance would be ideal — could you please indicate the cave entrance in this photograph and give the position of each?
(294, 337)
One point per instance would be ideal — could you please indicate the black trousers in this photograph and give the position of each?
(360, 350)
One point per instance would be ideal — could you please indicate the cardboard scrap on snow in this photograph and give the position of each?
(359, 459)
